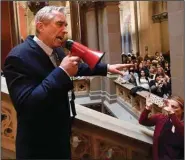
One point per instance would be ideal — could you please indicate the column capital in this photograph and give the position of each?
(160, 17)
(89, 5)
(107, 3)
(111, 3)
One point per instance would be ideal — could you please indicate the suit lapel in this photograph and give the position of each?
(43, 58)
(60, 53)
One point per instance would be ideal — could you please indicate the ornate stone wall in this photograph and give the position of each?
(152, 27)
(99, 145)
(8, 123)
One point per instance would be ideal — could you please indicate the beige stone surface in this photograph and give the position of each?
(153, 35)
(91, 30)
(176, 34)
(134, 27)
(95, 83)
(177, 64)
(113, 124)
(155, 38)
(178, 87)
(164, 36)
(111, 34)
(177, 45)
(174, 6)
(176, 23)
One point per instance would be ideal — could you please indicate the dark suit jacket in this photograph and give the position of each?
(159, 120)
(39, 92)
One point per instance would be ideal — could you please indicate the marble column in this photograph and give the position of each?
(92, 43)
(121, 28)
(125, 19)
(68, 18)
(112, 46)
(134, 27)
(127, 41)
(75, 23)
(91, 25)
(176, 39)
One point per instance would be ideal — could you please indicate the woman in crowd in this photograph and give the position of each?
(161, 86)
(133, 74)
(139, 67)
(152, 73)
(142, 80)
(167, 69)
(168, 139)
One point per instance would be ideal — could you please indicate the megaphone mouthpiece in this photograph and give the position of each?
(68, 44)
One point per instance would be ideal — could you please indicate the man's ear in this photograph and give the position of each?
(40, 26)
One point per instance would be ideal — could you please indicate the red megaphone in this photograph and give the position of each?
(87, 55)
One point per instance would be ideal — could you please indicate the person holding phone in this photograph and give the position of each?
(168, 139)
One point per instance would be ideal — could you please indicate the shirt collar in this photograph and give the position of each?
(46, 48)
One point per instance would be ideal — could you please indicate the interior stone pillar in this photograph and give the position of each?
(111, 45)
(92, 37)
(143, 26)
(164, 36)
(176, 38)
(111, 31)
(121, 28)
(100, 6)
(125, 26)
(92, 43)
(152, 27)
(68, 18)
(134, 27)
(75, 23)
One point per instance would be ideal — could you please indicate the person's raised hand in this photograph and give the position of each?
(148, 103)
(168, 108)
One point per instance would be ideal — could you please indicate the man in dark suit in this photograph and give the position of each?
(39, 88)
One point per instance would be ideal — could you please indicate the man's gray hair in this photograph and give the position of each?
(46, 14)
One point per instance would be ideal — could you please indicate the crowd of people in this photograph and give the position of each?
(153, 74)
(149, 73)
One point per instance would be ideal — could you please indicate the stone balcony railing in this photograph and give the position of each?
(94, 133)
(81, 86)
(135, 104)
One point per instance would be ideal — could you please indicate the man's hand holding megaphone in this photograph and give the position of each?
(70, 64)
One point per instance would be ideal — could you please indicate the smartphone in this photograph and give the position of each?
(157, 100)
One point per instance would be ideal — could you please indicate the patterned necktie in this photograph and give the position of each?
(55, 59)
(56, 62)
